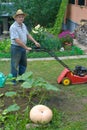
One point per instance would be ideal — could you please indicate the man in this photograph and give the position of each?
(19, 35)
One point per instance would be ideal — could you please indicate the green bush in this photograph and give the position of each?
(5, 45)
(60, 18)
(43, 12)
(46, 40)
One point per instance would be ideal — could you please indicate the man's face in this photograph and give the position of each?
(20, 18)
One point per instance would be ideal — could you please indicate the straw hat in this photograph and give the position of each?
(19, 12)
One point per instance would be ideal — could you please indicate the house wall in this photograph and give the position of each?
(75, 13)
(71, 26)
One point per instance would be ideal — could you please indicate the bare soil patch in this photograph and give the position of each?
(74, 108)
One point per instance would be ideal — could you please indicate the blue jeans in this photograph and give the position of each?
(18, 60)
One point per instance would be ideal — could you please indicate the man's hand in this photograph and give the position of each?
(37, 44)
(28, 48)
(33, 40)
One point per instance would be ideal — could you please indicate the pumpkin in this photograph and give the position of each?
(41, 114)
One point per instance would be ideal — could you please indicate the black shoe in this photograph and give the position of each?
(14, 82)
(21, 81)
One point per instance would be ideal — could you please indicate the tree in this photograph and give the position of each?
(60, 17)
(39, 12)
(44, 12)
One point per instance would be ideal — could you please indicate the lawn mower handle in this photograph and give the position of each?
(51, 53)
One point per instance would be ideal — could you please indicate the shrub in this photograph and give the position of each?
(5, 45)
(47, 40)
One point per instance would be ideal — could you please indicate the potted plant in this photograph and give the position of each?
(66, 42)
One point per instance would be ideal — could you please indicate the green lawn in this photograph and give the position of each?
(69, 105)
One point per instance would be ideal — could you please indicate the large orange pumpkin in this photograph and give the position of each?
(41, 114)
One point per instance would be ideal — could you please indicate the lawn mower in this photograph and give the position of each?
(67, 76)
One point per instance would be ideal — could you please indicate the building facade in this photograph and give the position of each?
(76, 11)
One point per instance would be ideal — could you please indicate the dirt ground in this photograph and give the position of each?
(73, 107)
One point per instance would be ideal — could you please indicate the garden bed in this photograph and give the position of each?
(69, 106)
(68, 52)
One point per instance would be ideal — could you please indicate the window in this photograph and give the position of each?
(81, 2)
(5, 0)
(72, 1)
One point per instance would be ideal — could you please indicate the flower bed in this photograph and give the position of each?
(65, 33)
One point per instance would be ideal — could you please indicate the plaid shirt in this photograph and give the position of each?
(18, 31)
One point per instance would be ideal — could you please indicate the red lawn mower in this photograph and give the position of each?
(67, 76)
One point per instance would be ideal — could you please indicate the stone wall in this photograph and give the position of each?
(81, 34)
